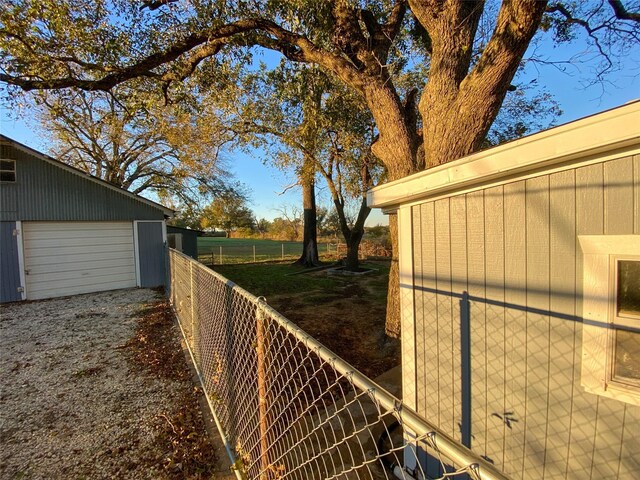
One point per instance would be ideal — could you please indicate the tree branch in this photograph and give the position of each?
(622, 13)
(214, 39)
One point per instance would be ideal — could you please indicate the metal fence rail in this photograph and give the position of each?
(228, 252)
(289, 408)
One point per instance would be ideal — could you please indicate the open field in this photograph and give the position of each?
(224, 251)
(346, 313)
(220, 250)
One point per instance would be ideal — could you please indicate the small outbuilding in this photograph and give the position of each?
(184, 240)
(520, 299)
(64, 232)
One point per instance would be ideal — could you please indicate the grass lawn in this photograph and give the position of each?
(346, 313)
(266, 279)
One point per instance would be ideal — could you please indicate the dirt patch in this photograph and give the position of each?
(96, 386)
(349, 319)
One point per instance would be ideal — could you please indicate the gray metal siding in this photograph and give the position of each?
(514, 248)
(189, 240)
(9, 264)
(152, 256)
(46, 192)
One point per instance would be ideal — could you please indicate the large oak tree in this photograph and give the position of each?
(117, 138)
(91, 45)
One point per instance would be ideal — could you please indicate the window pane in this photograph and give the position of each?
(7, 176)
(627, 359)
(628, 301)
(7, 165)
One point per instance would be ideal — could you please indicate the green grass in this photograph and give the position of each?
(273, 279)
(204, 242)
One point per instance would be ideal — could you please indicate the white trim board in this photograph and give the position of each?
(21, 266)
(616, 129)
(532, 173)
(136, 252)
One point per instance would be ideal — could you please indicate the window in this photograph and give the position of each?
(626, 344)
(611, 312)
(7, 170)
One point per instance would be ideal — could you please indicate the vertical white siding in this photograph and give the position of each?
(495, 325)
(515, 249)
(562, 281)
(459, 284)
(538, 334)
(427, 372)
(515, 269)
(444, 319)
(476, 287)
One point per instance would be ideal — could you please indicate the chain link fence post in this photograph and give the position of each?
(262, 371)
(192, 302)
(290, 409)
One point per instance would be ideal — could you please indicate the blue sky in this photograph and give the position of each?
(576, 98)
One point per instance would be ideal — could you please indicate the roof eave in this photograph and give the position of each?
(168, 212)
(603, 132)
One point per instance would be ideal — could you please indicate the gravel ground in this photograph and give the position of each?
(96, 386)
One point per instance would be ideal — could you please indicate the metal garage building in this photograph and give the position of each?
(63, 232)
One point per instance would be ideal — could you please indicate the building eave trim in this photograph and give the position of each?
(617, 128)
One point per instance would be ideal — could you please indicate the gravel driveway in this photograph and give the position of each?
(96, 386)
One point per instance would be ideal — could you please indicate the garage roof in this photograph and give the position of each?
(4, 140)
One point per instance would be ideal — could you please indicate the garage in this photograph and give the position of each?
(65, 232)
(68, 258)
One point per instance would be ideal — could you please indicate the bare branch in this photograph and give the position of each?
(289, 187)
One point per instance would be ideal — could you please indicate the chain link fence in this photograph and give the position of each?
(289, 408)
(248, 252)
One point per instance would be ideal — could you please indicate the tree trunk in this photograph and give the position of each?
(309, 257)
(352, 236)
(352, 263)
(457, 106)
(392, 324)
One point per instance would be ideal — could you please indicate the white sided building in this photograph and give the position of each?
(520, 292)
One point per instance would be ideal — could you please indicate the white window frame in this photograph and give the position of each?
(15, 173)
(600, 256)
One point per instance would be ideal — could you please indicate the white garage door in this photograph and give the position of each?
(68, 258)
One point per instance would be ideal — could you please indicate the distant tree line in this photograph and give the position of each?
(232, 215)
